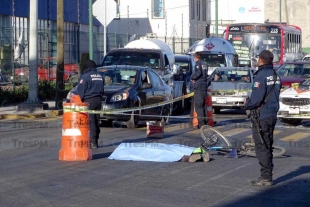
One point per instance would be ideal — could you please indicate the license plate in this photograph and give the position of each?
(293, 110)
(221, 100)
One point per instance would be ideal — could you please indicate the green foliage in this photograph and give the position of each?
(46, 91)
(306, 50)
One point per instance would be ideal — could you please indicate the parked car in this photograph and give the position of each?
(48, 67)
(187, 66)
(295, 104)
(230, 87)
(21, 73)
(306, 58)
(133, 86)
(293, 72)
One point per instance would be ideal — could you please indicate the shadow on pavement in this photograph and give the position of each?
(291, 193)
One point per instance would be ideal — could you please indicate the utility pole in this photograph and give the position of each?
(280, 12)
(105, 29)
(286, 12)
(216, 18)
(33, 101)
(90, 20)
(60, 55)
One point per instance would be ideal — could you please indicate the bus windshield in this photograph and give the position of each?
(249, 45)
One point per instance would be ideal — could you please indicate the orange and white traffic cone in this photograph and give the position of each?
(75, 143)
(195, 119)
(209, 108)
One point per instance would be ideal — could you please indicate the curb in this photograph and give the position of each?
(49, 113)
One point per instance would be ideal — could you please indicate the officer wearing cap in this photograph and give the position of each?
(265, 99)
(199, 80)
(90, 89)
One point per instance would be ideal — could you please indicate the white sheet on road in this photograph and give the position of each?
(156, 152)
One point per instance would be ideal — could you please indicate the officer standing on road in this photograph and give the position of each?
(199, 80)
(90, 89)
(265, 100)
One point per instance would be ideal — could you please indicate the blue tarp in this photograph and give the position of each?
(156, 152)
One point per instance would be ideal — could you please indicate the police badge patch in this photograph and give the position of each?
(256, 85)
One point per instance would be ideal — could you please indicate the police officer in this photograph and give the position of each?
(199, 80)
(90, 89)
(265, 99)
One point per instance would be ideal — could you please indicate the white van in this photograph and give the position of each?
(306, 58)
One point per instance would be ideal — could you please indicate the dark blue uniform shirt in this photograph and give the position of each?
(90, 85)
(263, 82)
(200, 75)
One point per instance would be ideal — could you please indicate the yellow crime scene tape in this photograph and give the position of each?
(118, 111)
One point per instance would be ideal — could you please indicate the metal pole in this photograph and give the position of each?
(286, 12)
(60, 55)
(280, 11)
(105, 29)
(127, 24)
(216, 18)
(90, 19)
(33, 53)
(13, 46)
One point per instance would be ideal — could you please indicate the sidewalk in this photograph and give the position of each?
(10, 112)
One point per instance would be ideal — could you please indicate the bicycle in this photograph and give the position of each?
(214, 140)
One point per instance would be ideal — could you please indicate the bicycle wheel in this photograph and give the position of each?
(213, 137)
(250, 150)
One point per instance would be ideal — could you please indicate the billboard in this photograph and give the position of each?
(239, 11)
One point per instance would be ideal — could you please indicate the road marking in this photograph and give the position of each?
(233, 132)
(274, 132)
(295, 137)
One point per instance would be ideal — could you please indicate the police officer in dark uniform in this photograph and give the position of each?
(265, 100)
(90, 89)
(199, 80)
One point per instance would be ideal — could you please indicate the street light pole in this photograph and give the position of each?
(216, 18)
(280, 11)
(90, 20)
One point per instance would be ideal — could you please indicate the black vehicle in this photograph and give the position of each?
(134, 86)
(186, 64)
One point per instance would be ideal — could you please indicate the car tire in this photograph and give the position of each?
(293, 122)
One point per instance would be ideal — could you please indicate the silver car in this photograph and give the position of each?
(230, 87)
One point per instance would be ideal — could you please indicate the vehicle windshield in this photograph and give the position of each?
(251, 44)
(119, 76)
(146, 59)
(294, 70)
(306, 58)
(214, 60)
(244, 63)
(231, 75)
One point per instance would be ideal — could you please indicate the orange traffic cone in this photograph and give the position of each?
(75, 143)
(209, 108)
(195, 119)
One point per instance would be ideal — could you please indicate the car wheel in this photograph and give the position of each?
(134, 119)
(293, 122)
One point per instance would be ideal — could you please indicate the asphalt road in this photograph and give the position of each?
(32, 175)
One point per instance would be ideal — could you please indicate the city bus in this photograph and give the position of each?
(283, 40)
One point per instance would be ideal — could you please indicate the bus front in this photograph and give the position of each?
(250, 39)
